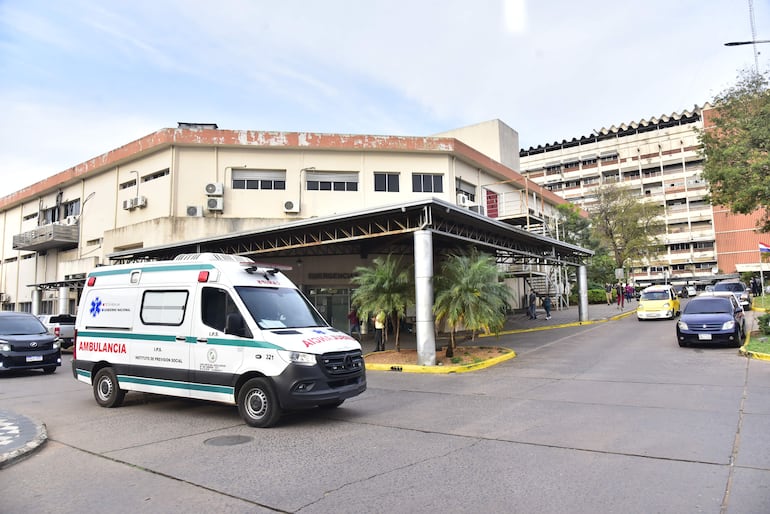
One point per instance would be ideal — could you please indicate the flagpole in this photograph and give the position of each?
(763, 248)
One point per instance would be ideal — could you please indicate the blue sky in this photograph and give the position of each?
(82, 77)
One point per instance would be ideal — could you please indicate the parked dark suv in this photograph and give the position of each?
(26, 344)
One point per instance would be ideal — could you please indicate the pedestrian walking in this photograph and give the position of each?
(547, 306)
(355, 327)
(620, 291)
(608, 291)
(379, 328)
(532, 308)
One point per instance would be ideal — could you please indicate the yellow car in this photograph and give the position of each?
(658, 302)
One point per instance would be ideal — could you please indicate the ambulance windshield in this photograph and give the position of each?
(279, 307)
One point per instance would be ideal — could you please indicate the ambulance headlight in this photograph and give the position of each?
(300, 358)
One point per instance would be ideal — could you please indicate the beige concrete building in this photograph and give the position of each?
(197, 181)
(660, 160)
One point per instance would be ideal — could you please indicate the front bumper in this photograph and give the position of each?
(308, 386)
(30, 359)
(714, 337)
(666, 314)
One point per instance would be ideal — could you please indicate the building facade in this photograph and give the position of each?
(660, 160)
(198, 181)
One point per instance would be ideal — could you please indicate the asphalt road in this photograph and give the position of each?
(605, 418)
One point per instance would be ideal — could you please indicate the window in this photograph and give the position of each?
(386, 182)
(216, 304)
(427, 183)
(49, 215)
(466, 189)
(155, 176)
(259, 179)
(331, 181)
(609, 157)
(163, 307)
(72, 208)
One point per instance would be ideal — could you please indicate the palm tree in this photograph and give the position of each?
(387, 285)
(469, 294)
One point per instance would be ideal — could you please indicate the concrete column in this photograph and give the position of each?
(582, 294)
(64, 300)
(423, 289)
(36, 295)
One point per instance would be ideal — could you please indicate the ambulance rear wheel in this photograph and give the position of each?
(107, 393)
(258, 404)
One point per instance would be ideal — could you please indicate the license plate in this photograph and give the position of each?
(704, 337)
(34, 358)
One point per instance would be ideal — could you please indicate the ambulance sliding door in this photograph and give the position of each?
(160, 352)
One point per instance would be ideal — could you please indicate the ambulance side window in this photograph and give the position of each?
(216, 304)
(163, 307)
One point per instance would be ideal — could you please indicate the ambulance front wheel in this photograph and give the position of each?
(106, 390)
(258, 404)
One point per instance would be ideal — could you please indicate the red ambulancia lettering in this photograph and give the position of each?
(91, 346)
(322, 339)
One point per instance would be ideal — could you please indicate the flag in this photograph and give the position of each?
(763, 248)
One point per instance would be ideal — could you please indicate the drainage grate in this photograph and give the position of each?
(228, 440)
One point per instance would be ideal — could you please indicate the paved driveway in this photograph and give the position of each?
(611, 417)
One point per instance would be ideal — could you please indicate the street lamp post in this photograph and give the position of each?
(80, 223)
(754, 43)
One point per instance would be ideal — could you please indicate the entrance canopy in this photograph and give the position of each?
(387, 229)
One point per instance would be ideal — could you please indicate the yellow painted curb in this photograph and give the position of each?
(561, 325)
(415, 368)
(753, 355)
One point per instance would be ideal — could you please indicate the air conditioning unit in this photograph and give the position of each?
(215, 189)
(464, 201)
(215, 204)
(195, 211)
(128, 204)
(479, 209)
(71, 220)
(140, 201)
(291, 206)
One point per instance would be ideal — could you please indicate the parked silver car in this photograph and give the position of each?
(738, 289)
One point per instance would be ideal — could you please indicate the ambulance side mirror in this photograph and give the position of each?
(234, 325)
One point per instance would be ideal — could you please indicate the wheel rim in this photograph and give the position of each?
(104, 389)
(256, 403)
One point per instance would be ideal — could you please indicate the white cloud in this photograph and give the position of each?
(88, 77)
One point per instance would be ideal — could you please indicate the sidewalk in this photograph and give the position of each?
(519, 321)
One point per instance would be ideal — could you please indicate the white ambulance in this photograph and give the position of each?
(213, 327)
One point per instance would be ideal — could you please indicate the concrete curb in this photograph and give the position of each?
(415, 368)
(753, 355)
(14, 456)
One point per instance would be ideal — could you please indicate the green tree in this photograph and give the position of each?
(575, 228)
(469, 293)
(601, 269)
(737, 160)
(625, 225)
(387, 285)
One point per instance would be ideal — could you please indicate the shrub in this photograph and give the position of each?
(764, 323)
